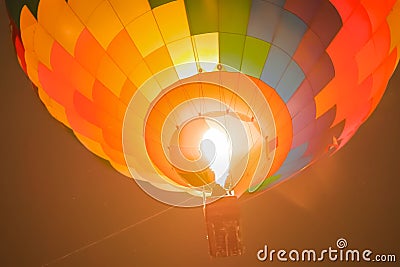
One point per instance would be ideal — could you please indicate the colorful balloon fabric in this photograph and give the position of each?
(198, 97)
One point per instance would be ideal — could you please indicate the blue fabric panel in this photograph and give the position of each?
(275, 66)
(290, 82)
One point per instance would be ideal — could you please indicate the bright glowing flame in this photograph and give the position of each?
(217, 148)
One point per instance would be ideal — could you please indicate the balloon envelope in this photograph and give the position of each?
(191, 97)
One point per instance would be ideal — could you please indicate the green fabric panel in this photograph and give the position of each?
(231, 49)
(234, 16)
(202, 16)
(254, 56)
(14, 8)
(265, 184)
(156, 3)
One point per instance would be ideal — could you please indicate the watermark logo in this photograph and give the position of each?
(341, 243)
(339, 253)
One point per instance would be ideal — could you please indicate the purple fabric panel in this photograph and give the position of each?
(304, 135)
(300, 98)
(326, 23)
(321, 16)
(305, 117)
(305, 11)
(321, 73)
(309, 51)
(264, 20)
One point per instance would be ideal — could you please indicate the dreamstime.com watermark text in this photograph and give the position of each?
(338, 253)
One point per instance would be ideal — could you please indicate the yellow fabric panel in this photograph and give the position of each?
(69, 28)
(123, 169)
(110, 75)
(83, 9)
(28, 28)
(128, 10)
(48, 14)
(113, 155)
(104, 24)
(32, 67)
(393, 20)
(55, 109)
(181, 51)
(44, 97)
(140, 74)
(124, 52)
(92, 145)
(145, 34)
(60, 22)
(43, 44)
(206, 48)
(159, 60)
(176, 28)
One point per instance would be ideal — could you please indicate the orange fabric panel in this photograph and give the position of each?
(127, 92)
(86, 110)
(124, 52)
(55, 109)
(101, 122)
(88, 52)
(357, 31)
(55, 87)
(394, 21)
(110, 75)
(381, 77)
(377, 11)
(114, 155)
(159, 60)
(107, 101)
(345, 7)
(84, 127)
(91, 145)
(114, 138)
(65, 66)
(373, 53)
(369, 47)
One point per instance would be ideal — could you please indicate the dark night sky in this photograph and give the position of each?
(57, 197)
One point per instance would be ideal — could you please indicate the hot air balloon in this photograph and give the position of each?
(199, 99)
